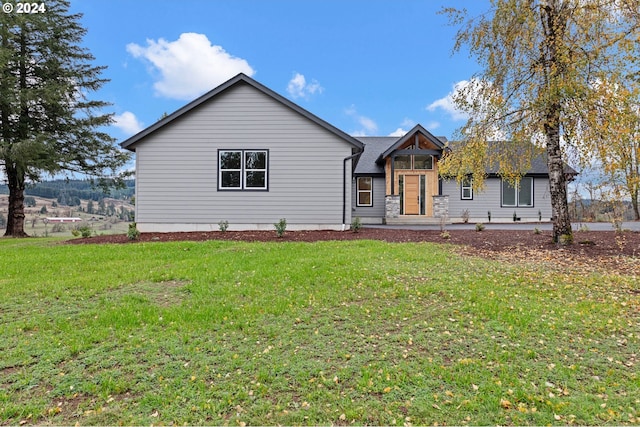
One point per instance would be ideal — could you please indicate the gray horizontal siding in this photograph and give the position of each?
(489, 200)
(177, 166)
(375, 211)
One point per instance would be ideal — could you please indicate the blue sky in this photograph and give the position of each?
(369, 67)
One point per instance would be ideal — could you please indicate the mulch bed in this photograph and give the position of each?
(590, 244)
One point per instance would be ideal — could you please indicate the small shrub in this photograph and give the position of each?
(280, 227)
(445, 235)
(59, 228)
(82, 230)
(479, 226)
(133, 233)
(465, 216)
(223, 225)
(85, 231)
(565, 239)
(356, 224)
(536, 230)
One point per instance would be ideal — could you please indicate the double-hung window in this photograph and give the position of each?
(365, 191)
(466, 189)
(243, 169)
(519, 195)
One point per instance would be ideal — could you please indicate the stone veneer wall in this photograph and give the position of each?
(392, 206)
(440, 206)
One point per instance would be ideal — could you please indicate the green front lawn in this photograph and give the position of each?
(360, 332)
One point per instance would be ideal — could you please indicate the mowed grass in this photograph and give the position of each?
(359, 332)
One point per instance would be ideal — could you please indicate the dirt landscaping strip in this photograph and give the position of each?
(603, 248)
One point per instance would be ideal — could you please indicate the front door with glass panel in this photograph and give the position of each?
(411, 194)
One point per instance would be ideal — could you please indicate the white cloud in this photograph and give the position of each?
(368, 125)
(128, 123)
(447, 103)
(407, 123)
(299, 88)
(189, 66)
(433, 125)
(399, 132)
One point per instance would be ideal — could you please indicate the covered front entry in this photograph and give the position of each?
(411, 171)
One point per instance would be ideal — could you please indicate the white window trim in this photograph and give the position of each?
(243, 170)
(220, 170)
(469, 187)
(358, 191)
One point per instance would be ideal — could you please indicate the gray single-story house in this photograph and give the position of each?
(244, 154)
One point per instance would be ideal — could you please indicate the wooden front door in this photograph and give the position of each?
(411, 194)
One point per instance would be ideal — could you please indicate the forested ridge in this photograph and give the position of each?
(72, 189)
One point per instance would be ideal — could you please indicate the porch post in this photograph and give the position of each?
(393, 175)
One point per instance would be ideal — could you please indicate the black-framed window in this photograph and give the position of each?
(466, 188)
(519, 195)
(364, 186)
(243, 169)
(413, 161)
(402, 162)
(423, 161)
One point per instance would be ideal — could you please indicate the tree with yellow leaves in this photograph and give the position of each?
(619, 138)
(541, 61)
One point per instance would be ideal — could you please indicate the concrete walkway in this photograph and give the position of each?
(590, 226)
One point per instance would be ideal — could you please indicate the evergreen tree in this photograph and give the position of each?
(48, 124)
(90, 207)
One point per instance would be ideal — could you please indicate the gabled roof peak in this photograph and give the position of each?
(417, 129)
(237, 79)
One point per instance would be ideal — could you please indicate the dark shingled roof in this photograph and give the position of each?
(374, 146)
(538, 163)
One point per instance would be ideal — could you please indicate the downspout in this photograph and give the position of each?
(344, 187)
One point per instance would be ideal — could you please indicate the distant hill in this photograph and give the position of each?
(75, 189)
